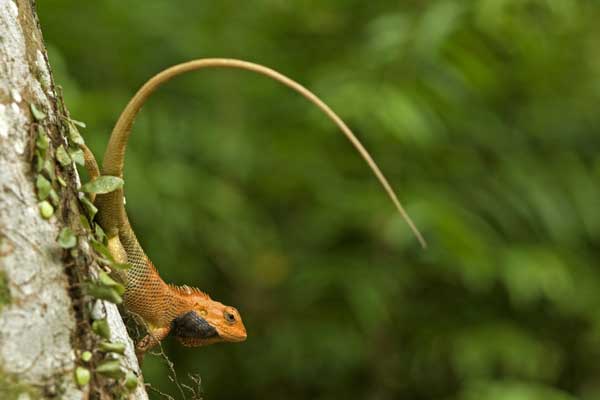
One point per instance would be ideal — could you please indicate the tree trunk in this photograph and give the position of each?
(46, 259)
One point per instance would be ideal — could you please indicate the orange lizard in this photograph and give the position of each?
(187, 313)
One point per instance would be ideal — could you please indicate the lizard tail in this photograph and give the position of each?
(114, 156)
(90, 162)
(91, 166)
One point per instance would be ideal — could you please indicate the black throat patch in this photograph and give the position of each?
(191, 325)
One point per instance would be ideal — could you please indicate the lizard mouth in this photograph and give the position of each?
(237, 338)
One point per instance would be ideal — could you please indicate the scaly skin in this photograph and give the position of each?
(191, 315)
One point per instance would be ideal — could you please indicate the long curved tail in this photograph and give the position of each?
(114, 157)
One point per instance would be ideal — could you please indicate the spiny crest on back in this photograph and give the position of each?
(186, 290)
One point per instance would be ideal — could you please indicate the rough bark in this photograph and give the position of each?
(45, 315)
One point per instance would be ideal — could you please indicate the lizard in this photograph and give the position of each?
(187, 313)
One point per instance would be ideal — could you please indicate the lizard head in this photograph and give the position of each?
(207, 321)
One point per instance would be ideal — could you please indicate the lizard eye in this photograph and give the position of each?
(229, 317)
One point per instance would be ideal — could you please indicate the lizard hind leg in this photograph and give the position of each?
(116, 247)
(117, 251)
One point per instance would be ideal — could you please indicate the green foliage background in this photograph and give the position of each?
(483, 114)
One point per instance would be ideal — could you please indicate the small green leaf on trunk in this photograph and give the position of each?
(102, 250)
(49, 168)
(82, 376)
(104, 293)
(62, 156)
(108, 347)
(54, 199)
(43, 186)
(39, 161)
(86, 356)
(90, 208)
(103, 184)
(100, 235)
(111, 369)
(120, 266)
(75, 136)
(77, 156)
(101, 328)
(42, 142)
(46, 209)
(131, 381)
(38, 114)
(78, 123)
(67, 238)
(106, 280)
(85, 223)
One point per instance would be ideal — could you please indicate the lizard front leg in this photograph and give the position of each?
(154, 337)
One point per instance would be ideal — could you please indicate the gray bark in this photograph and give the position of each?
(42, 328)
